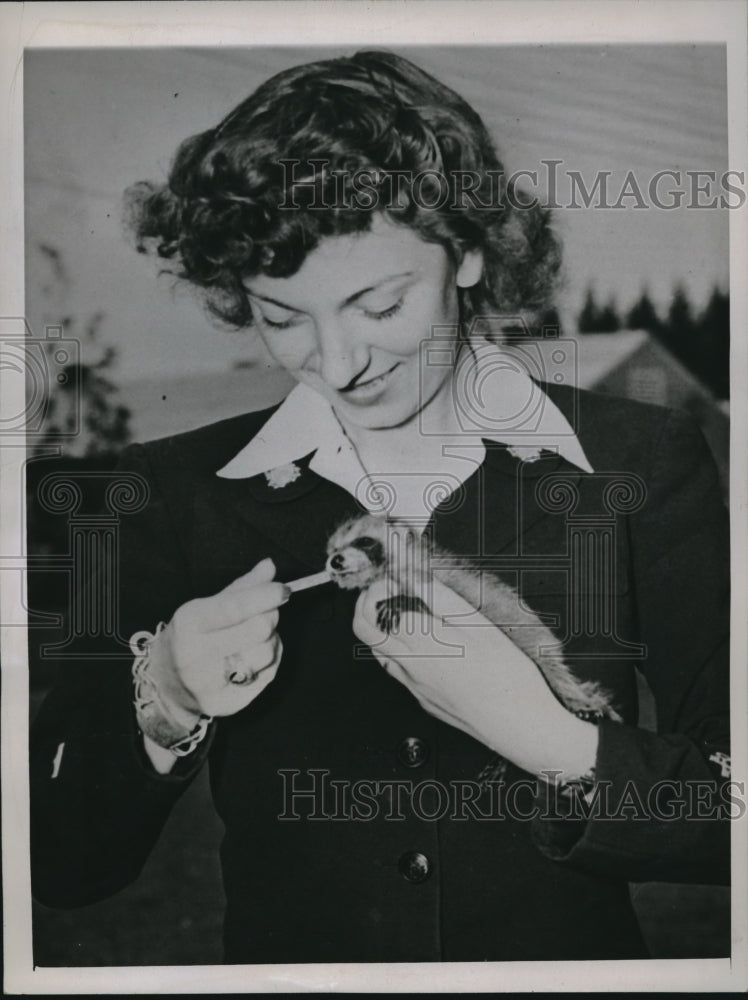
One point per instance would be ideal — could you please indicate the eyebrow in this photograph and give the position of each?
(346, 302)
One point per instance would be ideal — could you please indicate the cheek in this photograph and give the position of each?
(286, 350)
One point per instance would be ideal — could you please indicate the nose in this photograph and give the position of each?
(339, 356)
(337, 561)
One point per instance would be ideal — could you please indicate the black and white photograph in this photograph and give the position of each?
(373, 434)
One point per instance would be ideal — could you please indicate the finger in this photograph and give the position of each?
(365, 614)
(396, 670)
(232, 698)
(235, 605)
(261, 655)
(262, 572)
(257, 629)
(366, 605)
(259, 666)
(367, 630)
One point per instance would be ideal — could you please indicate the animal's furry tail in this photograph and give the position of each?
(587, 697)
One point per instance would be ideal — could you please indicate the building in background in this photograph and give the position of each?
(634, 364)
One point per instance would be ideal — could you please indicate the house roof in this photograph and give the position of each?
(595, 355)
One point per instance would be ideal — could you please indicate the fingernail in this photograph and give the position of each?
(286, 594)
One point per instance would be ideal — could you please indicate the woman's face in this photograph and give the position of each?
(350, 323)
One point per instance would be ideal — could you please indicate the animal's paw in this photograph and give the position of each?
(390, 609)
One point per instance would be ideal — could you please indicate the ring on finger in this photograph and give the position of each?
(240, 678)
(234, 673)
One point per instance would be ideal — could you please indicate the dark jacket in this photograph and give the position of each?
(321, 877)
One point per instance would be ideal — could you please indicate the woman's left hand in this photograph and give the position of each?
(472, 676)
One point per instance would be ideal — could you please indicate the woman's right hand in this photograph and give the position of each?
(212, 639)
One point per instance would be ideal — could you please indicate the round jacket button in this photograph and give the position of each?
(414, 866)
(412, 752)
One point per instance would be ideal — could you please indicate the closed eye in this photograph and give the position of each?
(290, 321)
(283, 322)
(278, 324)
(384, 313)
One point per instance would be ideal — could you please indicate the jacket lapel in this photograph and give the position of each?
(501, 504)
(297, 518)
(515, 503)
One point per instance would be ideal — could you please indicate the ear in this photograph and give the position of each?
(471, 268)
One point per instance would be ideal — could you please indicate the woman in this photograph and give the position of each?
(353, 211)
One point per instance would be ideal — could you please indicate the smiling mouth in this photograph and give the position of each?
(370, 383)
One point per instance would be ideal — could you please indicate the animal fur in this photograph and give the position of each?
(358, 556)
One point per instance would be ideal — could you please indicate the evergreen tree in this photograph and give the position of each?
(713, 333)
(608, 320)
(642, 315)
(701, 343)
(546, 324)
(680, 333)
(590, 314)
(680, 317)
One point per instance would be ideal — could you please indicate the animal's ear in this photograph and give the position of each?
(335, 538)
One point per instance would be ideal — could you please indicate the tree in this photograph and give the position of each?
(102, 426)
(680, 317)
(608, 320)
(546, 323)
(713, 333)
(588, 317)
(642, 315)
(701, 343)
(679, 331)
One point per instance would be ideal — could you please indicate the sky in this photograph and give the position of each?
(97, 120)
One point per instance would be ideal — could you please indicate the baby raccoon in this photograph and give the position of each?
(357, 555)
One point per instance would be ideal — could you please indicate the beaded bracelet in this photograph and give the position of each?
(154, 718)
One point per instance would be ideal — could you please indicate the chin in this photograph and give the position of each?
(380, 418)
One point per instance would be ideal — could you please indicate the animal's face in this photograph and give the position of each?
(370, 548)
(357, 563)
(356, 552)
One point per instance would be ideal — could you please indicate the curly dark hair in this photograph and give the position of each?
(288, 165)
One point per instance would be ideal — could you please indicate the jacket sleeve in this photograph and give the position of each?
(660, 809)
(97, 804)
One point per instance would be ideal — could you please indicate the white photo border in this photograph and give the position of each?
(130, 24)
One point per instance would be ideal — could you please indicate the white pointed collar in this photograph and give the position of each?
(495, 400)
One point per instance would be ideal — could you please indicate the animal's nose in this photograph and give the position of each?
(337, 561)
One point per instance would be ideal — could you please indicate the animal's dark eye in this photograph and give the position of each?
(372, 547)
(365, 543)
